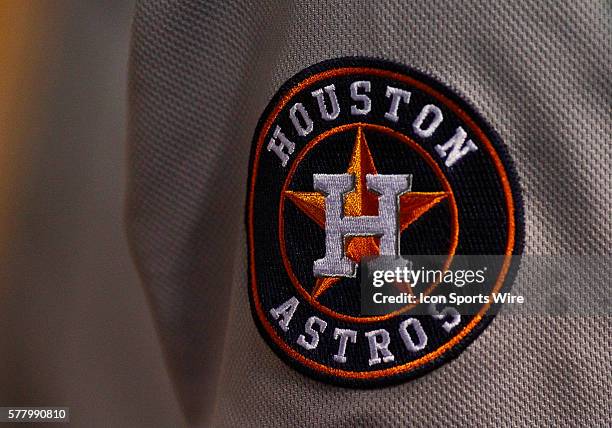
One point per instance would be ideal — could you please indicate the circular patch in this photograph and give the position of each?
(352, 159)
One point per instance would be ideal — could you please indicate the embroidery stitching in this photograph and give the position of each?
(362, 212)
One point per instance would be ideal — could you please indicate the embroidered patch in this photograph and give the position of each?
(356, 158)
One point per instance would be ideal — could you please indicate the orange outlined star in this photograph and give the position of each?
(361, 202)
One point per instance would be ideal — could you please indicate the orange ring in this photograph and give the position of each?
(439, 175)
(509, 206)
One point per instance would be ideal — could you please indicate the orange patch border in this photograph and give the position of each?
(510, 206)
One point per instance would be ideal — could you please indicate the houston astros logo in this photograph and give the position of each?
(355, 159)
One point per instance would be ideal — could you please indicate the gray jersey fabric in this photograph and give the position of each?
(201, 74)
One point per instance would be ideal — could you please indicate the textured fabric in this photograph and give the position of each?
(201, 75)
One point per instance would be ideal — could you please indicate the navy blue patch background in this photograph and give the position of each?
(306, 240)
(474, 180)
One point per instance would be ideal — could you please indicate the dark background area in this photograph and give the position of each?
(75, 329)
